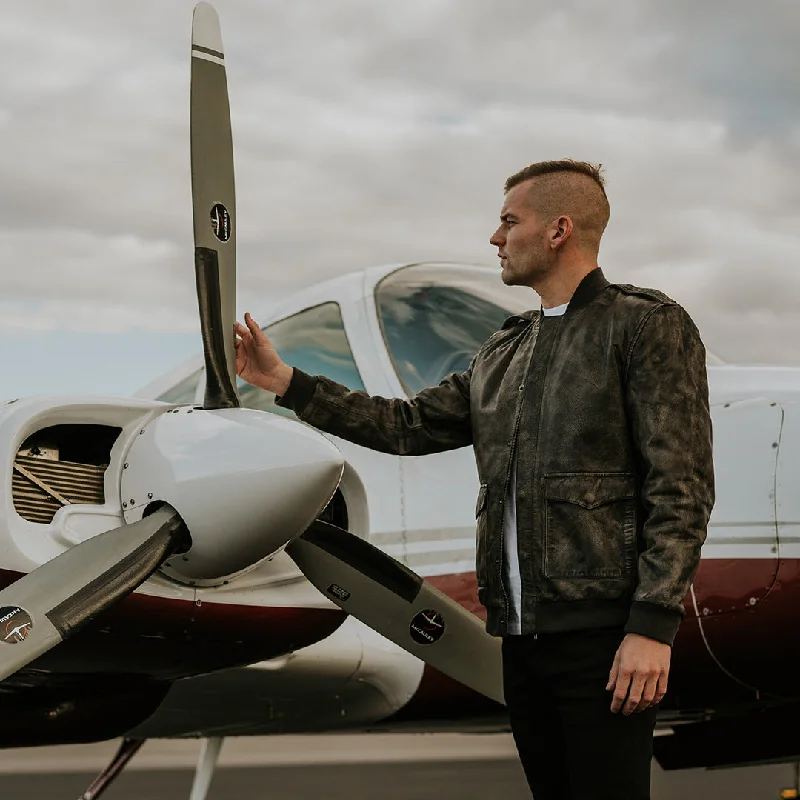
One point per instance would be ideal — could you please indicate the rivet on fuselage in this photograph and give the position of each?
(706, 612)
(753, 601)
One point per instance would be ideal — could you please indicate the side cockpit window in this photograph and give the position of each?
(184, 392)
(434, 319)
(313, 340)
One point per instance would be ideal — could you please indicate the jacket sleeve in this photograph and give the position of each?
(668, 407)
(435, 419)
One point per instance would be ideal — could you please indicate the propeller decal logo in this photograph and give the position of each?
(15, 624)
(427, 627)
(340, 594)
(221, 222)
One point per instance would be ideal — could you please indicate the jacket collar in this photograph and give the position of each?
(592, 284)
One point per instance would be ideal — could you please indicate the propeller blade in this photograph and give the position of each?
(49, 604)
(397, 603)
(214, 207)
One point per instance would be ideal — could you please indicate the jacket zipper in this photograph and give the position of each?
(522, 386)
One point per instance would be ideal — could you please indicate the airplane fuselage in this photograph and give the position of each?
(163, 652)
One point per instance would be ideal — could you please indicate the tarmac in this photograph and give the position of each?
(338, 767)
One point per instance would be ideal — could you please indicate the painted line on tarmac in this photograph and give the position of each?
(255, 751)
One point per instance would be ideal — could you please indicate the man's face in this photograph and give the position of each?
(521, 240)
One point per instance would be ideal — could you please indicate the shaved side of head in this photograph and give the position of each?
(573, 189)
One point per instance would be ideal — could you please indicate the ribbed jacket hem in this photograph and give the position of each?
(646, 619)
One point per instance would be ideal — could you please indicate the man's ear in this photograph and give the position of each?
(560, 232)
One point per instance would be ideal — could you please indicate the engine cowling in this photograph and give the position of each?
(245, 483)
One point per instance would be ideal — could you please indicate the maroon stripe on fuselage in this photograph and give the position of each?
(167, 638)
(753, 639)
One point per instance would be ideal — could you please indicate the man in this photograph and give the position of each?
(590, 425)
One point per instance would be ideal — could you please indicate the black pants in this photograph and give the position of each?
(571, 745)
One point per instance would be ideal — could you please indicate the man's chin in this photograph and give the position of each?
(507, 277)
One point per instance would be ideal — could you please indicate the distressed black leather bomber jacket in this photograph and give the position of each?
(613, 505)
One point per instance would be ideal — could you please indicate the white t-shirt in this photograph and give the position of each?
(512, 577)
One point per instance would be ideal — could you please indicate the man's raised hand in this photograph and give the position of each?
(257, 361)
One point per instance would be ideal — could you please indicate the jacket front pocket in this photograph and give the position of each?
(590, 525)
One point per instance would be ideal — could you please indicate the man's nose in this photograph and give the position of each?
(498, 240)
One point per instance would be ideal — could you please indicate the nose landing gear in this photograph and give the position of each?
(127, 750)
(206, 764)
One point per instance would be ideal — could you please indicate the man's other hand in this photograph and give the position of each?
(639, 673)
(257, 361)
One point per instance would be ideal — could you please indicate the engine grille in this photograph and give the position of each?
(40, 486)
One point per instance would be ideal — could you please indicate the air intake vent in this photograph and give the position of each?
(40, 486)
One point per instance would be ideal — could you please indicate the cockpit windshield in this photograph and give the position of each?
(435, 317)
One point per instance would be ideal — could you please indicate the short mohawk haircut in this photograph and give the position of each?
(593, 171)
(556, 191)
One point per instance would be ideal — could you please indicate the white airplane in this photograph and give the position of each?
(171, 554)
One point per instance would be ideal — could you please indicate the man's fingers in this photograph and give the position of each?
(660, 684)
(661, 687)
(240, 347)
(253, 327)
(621, 690)
(641, 666)
(634, 693)
(648, 694)
(612, 675)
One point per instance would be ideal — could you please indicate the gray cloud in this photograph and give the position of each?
(371, 133)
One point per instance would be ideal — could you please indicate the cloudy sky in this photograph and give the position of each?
(372, 132)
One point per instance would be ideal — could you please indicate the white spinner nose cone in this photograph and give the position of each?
(245, 483)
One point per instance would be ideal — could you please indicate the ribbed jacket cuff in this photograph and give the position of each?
(298, 395)
(655, 622)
